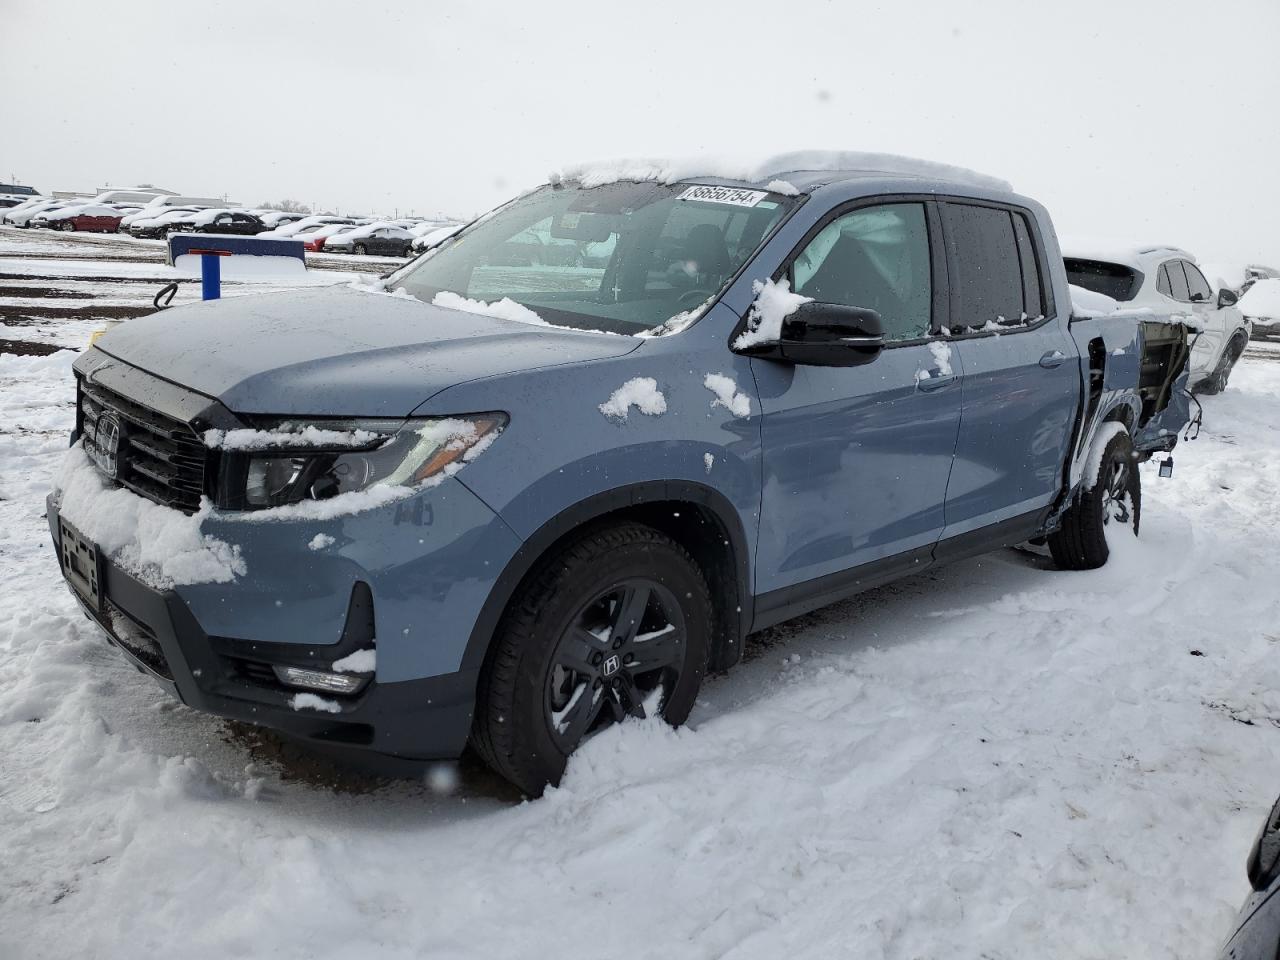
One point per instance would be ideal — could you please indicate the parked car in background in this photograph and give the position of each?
(151, 213)
(1167, 279)
(12, 194)
(315, 237)
(1257, 932)
(220, 221)
(433, 238)
(309, 223)
(1261, 304)
(89, 217)
(275, 219)
(379, 240)
(22, 214)
(563, 498)
(160, 223)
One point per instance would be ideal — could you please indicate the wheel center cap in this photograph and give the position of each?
(611, 665)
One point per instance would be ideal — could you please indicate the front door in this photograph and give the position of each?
(856, 459)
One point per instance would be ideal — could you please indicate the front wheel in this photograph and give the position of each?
(616, 624)
(360, 249)
(1109, 509)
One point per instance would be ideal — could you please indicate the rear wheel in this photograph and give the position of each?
(1110, 508)
(614, 625)
(1216, 382)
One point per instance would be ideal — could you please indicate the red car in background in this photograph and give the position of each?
(91, 217)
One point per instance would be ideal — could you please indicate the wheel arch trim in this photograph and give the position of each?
(595, 508)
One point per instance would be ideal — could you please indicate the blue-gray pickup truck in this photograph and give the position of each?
(554, 470)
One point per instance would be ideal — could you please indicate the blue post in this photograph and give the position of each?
(211, 276)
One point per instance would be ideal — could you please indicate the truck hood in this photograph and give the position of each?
(337, 351)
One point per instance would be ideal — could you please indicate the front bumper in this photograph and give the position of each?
(158, 632)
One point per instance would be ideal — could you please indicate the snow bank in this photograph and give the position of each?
(672, 170)
(161, 546)
(1262, 300)
(726, 390)
(504, 309)
(639, 392)
(279, 438)
(774, 302)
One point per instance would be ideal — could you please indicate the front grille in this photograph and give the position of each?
(156, 456)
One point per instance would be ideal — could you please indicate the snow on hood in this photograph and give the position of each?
(337, 351)
(671, 170)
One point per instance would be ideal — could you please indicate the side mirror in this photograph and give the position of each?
(1227, 298)
(826, 335)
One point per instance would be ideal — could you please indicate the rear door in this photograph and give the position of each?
(1022, 381)
(856, 459)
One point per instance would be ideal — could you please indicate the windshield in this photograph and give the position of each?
(623, 258)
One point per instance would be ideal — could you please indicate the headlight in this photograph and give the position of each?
(296, 461)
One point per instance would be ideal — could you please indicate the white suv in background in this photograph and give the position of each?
(1167, 280)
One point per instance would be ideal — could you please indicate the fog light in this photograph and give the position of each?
(319, 680)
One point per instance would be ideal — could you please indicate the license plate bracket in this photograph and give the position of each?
(82, 565)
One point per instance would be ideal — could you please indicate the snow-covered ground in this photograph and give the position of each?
(995, 759)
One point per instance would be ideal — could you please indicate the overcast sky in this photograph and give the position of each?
(1149, 119)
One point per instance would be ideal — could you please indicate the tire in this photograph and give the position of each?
(1216, 382)
(359, 249)
(566, 660)
(68, 226)
(1080, 543)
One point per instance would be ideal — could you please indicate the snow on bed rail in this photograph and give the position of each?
(672, 170)
(1087, 303)
(161, 546)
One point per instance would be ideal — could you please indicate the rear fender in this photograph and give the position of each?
(1135, 374)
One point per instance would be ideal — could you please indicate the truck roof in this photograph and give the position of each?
(795, 172)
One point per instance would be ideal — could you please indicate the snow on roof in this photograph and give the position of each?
(1125, 252)
(764, 170)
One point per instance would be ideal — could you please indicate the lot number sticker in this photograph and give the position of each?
(734, 196)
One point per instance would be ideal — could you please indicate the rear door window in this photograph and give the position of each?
(1177, 281)
(984, 254)
(1196, 283)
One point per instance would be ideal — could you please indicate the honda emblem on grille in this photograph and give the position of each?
(106, 445)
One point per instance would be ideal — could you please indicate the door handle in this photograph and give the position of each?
(935, 381)
(1054, 358)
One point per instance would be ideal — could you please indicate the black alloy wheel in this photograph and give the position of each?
(621, 649)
